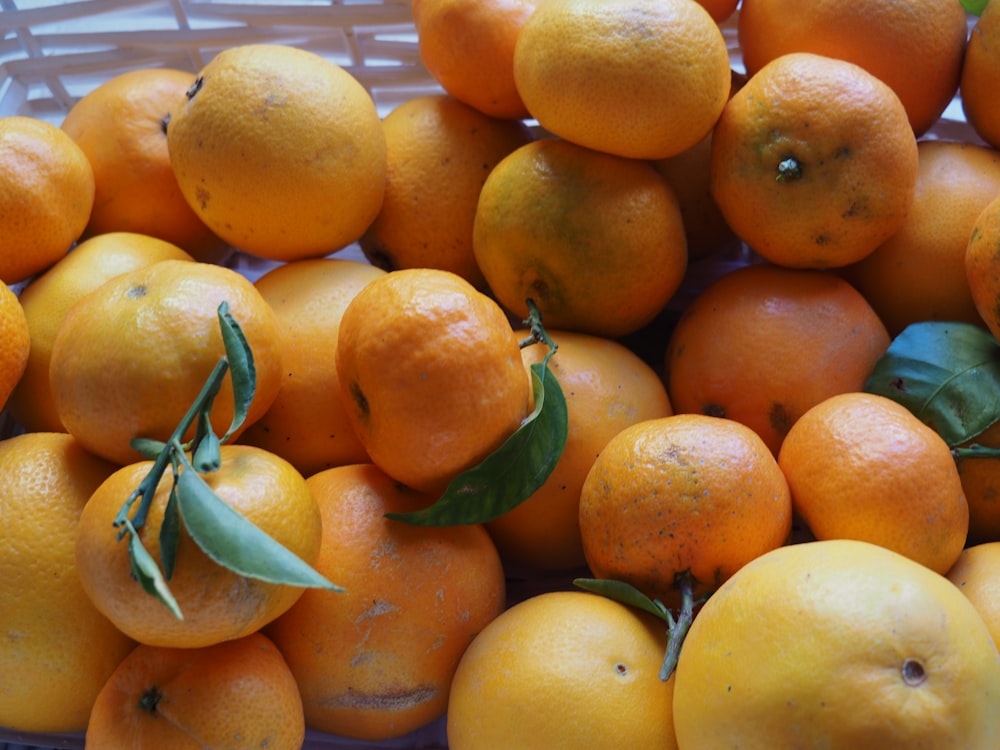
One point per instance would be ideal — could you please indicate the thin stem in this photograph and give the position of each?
(538, 333)
(975, 450)
(678, 629)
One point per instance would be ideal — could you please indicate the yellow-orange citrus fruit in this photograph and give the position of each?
(440, 152)
(981, 484)
(977, 575)
(430, 371)
(861, 466)
(307, 422)
(279, 151)
(837, 644)
(982, 264)
(814, 163)
(15, 342)
(564, 670)
(130, 357)
(50, 295)
(578, 232)
(981, 76)
(234, 694)
(57, 650)
(46, 194)
(635, 78)
(376, 661)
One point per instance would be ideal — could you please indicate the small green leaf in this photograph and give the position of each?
(514, 471)
(147, 447)
(146, 572)
(170, 534)
(242, 370)
(947, 374)
(975, 7)
(625, 593)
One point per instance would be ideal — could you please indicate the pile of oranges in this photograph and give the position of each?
(768, 549)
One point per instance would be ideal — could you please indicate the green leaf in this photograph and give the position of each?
(147, 447)
(146, 572)
(232, 541)
(242, 370)
(947, 374)
(207, 455)
(625, 593)
(170, 534)
(514, 471)
(975, 7)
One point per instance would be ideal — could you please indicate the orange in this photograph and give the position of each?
(981, 76)
(16, 343)
(217, 603)
(837, 644)
(635, 78)
(563, 670)
(579, 231)
(430, 371)
(440, 152)
(607, 388)
(46, 194)
(720, 10)
(49, 296)
(468, 47)
(687, 493)
(57, 650)
(981, 485)
(982, 264)
(915, 46)
(121, 126)
(377, 661)
(234, 694)
(761, 344)
(131, 356)
(977, 573)
(814, 163)
(919, 273)
(279, 151)
(861, 466)
(307, 422)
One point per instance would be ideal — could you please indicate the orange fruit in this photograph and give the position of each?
(686, 493)
(981, 484)
(439, 154)
(376, 661)
(837, 644)
(976, 572)
(607, 388)
(861, 466)
(57, 650)
(761, 344)
(468, 47)
(814, 163)
(307, 422)
(217, 603)
(919, 273)
(915, 46)
(50, 295)
(578, 232)
(430, 371)
(630, 77)
(720, 10)
(982, 264)
(130, 357)
(46, 194)
(16, 338)
(562, 670)
(234, 694)
(279, 151)
(980, 77)
(121, 126)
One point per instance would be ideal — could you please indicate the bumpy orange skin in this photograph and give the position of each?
(15, 343)
(976, 572)
(981, 76)
(982, 265)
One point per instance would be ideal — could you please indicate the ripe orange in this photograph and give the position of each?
(279, 151)
(234, 694)
(46, 194)
(564, 670)
(720, 10)
(130, 357)
(629, 77)
(468, 47)
(915, 46)
(813, 162)
(15, 343)
(431, 375)
(57, 649)
(982, 264)
(977, 575)
(307, 422)
(440, 152)
(217, 603)
(861, 466)
(607, 388)
(121, 126)
(376, 661)
(981, 485)
(762, 344)
(49, 296)
(980, 78)
(579, 232)
(685, 493)
(837, 644)
(919, 273)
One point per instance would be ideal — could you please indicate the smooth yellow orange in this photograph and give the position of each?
(980, 78)
(977, 575)
(15, 343)
(279, 151)
(982, 264)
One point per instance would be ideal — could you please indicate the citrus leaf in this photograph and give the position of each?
(232, 541)
(947, 374)
(514, 471)
(975, 7)
(625, 593)
(242, 370)
(146, 572)
(170, 534)
(147, 447)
